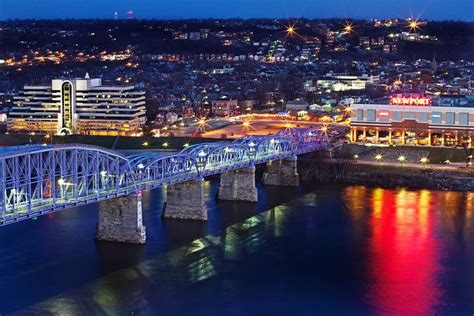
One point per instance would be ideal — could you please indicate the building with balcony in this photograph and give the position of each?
(78, 106)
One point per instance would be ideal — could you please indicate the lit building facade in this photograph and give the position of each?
(409, 120)
(225, 107)
(346, 83)
(78, 106)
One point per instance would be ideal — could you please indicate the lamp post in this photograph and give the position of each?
(378, 157)
(424, 161)
(401, 159)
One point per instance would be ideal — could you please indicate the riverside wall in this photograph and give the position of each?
(330, 170)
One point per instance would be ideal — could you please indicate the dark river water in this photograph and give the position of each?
(325, 249)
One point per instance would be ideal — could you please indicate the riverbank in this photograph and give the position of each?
(386, 175)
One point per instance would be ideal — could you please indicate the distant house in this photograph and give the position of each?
(225, 107)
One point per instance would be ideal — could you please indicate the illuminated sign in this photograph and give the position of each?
(410, 100)
(383, 114)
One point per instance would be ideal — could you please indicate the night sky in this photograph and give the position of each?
(177, 9)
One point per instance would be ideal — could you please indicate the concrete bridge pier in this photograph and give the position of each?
(238, 185)
(120, 220)
(186, 201)
(282, 172)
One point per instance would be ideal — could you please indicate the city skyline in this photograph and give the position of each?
(183, 9)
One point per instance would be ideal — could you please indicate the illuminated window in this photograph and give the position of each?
(436, 117)
(371, 115)
(66, 108)
(360, 115)
(464, 118)
(409, 115)
(450, 117)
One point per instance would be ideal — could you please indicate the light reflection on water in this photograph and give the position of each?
(406, 244)
(196, 262)
(376, 250)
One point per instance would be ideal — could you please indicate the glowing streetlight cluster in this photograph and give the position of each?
(201, 125)
(349, 27)
(246, 125)
(290, 30)
(413, 25)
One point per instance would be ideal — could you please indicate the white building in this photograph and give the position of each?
(346, 83)
(78, 106)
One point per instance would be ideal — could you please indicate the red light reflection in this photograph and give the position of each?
(403, 259)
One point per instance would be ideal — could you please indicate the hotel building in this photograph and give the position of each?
(78, 106)
(412, 120)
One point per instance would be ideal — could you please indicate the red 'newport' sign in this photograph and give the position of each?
(410, 100)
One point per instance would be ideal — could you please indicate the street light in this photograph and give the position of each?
(201, 159)
(402, 159)
(252, 150)
(413, 25)
(378, 157)
(348, 27)
(424, 160)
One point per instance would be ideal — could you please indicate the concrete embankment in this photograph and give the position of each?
(387, 176)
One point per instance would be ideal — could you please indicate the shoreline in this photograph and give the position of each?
(386, 175)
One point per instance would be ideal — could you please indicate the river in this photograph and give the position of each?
(317, 249)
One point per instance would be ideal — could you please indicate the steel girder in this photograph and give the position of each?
(43, 179)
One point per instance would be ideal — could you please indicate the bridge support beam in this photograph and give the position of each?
(282, 172)
(238, 185)
(120, 220)
(186, 201)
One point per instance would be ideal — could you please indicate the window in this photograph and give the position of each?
(423, 117)
(409, 115)
(464, 118)
(360, 115)
(436, 117)
(383, 115)
(450, 118)
(371, 115)
(397, 116)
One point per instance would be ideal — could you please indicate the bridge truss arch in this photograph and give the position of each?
(37, 179)
(265, 148)
(40, 179)
(166, 169)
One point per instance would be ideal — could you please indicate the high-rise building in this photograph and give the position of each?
(78, 106)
